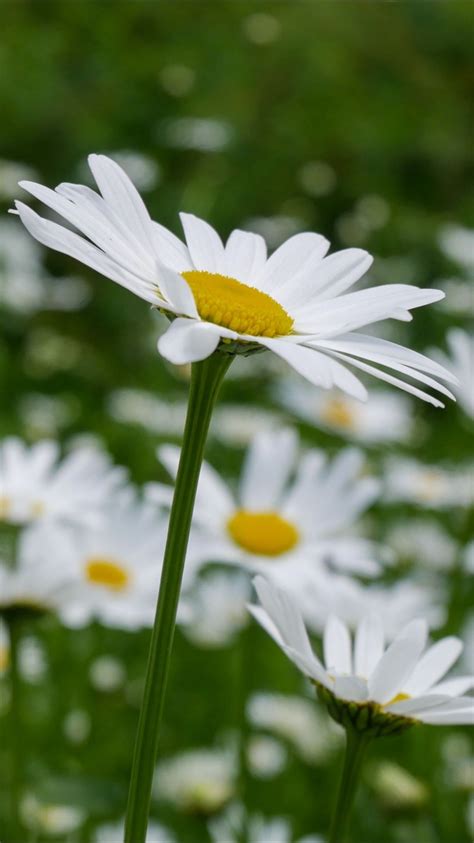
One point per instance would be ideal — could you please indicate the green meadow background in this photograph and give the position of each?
(349, 118)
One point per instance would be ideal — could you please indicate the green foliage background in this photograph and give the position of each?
(382, 92)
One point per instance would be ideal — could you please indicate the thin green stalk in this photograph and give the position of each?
(206, 379)
(244, 647)
(356, 744)
(15, 737)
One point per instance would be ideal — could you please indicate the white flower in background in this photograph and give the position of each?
(10, 174)
(228, 829)
(50, 819)
(397, 789)
(266, 757)
(384, 689)
(459, 299)
(297, 721)
(294, 303)
(198, 781)
(144, 171)
(214, 609)
(107, 674)
(32, 586)
(206, 134)
(321, 595)
(35, 486)
(387, 417)
(468, 557)
(113, 833)
(32, 660)
(422, 541)
(77, 726)
(114, 567)
(275, 524)
(428, 486)
(458, 244)
(460, 361)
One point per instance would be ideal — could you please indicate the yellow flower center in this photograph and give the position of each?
(231, 304)
(263, 533)
(106, 572)
(4, 659)
(337, 412)
(397, 699)
(4, 507)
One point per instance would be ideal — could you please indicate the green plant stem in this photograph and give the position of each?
(245, 670)
(16, 748)
(356, 744)
(206, 378)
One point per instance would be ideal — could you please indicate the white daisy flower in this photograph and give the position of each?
(376, 689)
(198, 781)
(113, 833)
(275, 525)
(50, 819)
(458, 244)
(35, 486)
(460, 359)
(387, 417)
(294, 303)
(30, 586)
(114, 568)
(214, 610)
(428, 486)
(422, 541)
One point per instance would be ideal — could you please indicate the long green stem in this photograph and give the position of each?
(206, 379)
(16, 748)
(356, 744)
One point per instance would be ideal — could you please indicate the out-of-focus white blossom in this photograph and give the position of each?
(214, 609)
(428, 486)
(197, 781)
(296, 720)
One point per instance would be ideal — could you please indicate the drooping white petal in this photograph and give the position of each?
(121, 194)
(186, 341)
(300, 253)
(398, 662)
(311, 366)
(176, 291)
(454, 687)
(463, 717)
(410, 708)
(369, 644)
(337, 647)
(204, 244)
(433, 665)
(245, 256)
(269, 460)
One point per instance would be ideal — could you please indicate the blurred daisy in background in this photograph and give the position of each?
(113, 833)
(460, 361)
(457, 243)
(422, 541)
(51, 819)
(387, 417)
(427, 486)
(228, 829)
(199, 781)
(294, 303)
(289, 512)
(36, 486)
(392, 687)
(214, 609)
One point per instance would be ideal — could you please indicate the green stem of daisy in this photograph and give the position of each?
(206, 378)
(13, 622)
(356, 744)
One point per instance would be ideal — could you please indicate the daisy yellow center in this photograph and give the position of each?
(398, 698)
(106, 572)
(264, 533)
(4, 507)
(227, 302)
(338, 412)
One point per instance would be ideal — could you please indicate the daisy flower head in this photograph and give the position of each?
(114, 567)
(288, 511)
(365, 685)
(295, 303)
(36, 486)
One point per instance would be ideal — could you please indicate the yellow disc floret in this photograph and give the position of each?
(246, 310)
(264, 533)
(106, 572)
(338, 412)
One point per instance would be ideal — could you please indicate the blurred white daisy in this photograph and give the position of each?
(428, 486)
(387, 417)
(275, 524)
(295, 303)
(376, 688)
(214, 609)
(297, 721)
(321, 595)
(397, 789)
(422, 541)
(197, 781)
(113, 833)
(228, 829)
(266, 757)
(458, 244)
(50, 819)
(114, 567)
(41, 588)
(35, 486)
(460, 361)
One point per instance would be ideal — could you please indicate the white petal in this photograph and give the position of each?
(204, 244)
(121, 194)
(464, 717)
(433, 665)
(176, 291)
(187, 341)
(398, 662)
(245, 256)
(334, 275)
(350, 688)
(337, 647)
(268, 463)
(454, 687)
(415, 705)
(301, 253)
(169, 249)
(369, 644)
